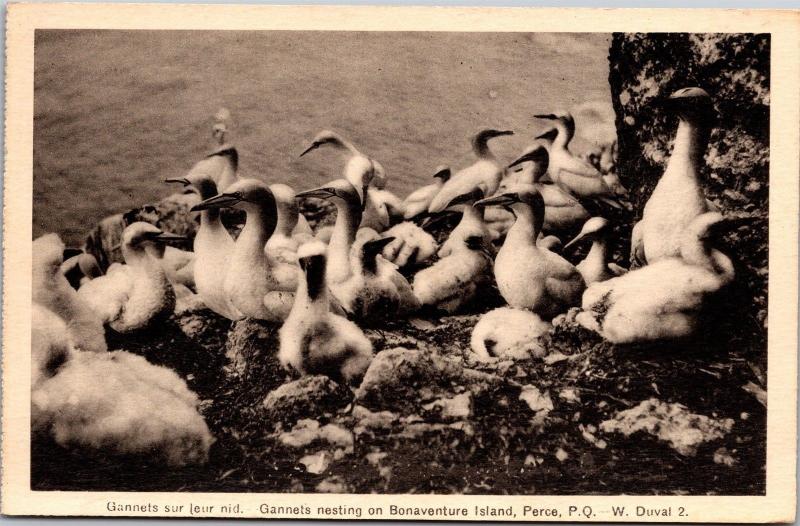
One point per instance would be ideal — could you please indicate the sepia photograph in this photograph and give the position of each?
(400, 262)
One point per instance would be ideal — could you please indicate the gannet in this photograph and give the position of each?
(509, 333)
(569, 171)
(596, 266)
(486, 170)
(313, 340)
(563, 211)
(678, 197)
(213, 246)
(80, 268)
(134, 295)
(417, 202)
(529, 276)
(411, 244)
(664, 300)
(250, 283)
(51, 344)
(455, 280)
(375, 212)
(471, 221)
(52, 291)
(178, 264)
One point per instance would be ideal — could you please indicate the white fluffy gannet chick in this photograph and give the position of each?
(134, 295)
(563, 211)
(51, 344)
(118, 403)
(456, 280)
(678, 197)
(213, 246)
(250, 282)
(79, 267)
(529, 276)
(411, 244)
(509, 333)
(471, 220)
(417, 202)
(664, 300)
(568, 170)
(596, 266)
(375, 292)
(313, 340)
(52, 291)
(486, 170)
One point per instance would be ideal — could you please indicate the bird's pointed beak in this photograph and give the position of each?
(311, 148)
(472, 195)
(319, 193)
(505, 132)
(549, 134)
(167, 237)
(548, 116)
(504, 200)
(182, 180)
(523, 158)
(443, 174)
(218, 201)
(577, 238)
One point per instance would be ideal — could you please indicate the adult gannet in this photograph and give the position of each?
(52, 291)
(134, 295)
(486, 170)
(250, 282)
(571, 172)
(664, 300)
(678, 197)
(596, 266)
(313, 340)
(375, 211)
(80, 268)
(456, 280)
(530, 276)
(213, 246)
(563, 211)
(417, 202)
(509, 333)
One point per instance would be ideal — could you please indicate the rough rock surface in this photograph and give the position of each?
(310, 396)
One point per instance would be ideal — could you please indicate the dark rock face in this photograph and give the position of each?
(734, 70)
(308, 397)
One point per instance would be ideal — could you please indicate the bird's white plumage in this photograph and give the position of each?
(118, 403)
(52, 291)
(412, 245)
(509, 333)
(51, 345)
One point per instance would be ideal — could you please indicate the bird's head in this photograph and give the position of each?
(468, 198)
(323, 138)
(692, 104)
(536, 154)
(549, 135)
(592, 229)
(522, 200)
(442, 173)
(200, 180)
(311, 258)
(244, 194)
(48, 252)
(337, 190)
(141, 235)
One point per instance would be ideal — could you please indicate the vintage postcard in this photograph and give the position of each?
(400, 263)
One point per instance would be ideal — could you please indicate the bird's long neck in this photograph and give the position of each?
(348, 218)
(287, 220)
(525, 229)
(480, 146)
(258, 227)
(563, 137)
(691, 141)
(598, 253)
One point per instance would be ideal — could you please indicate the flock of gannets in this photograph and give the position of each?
(322, 287)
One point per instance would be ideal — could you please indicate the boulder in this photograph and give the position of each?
(308, 397)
